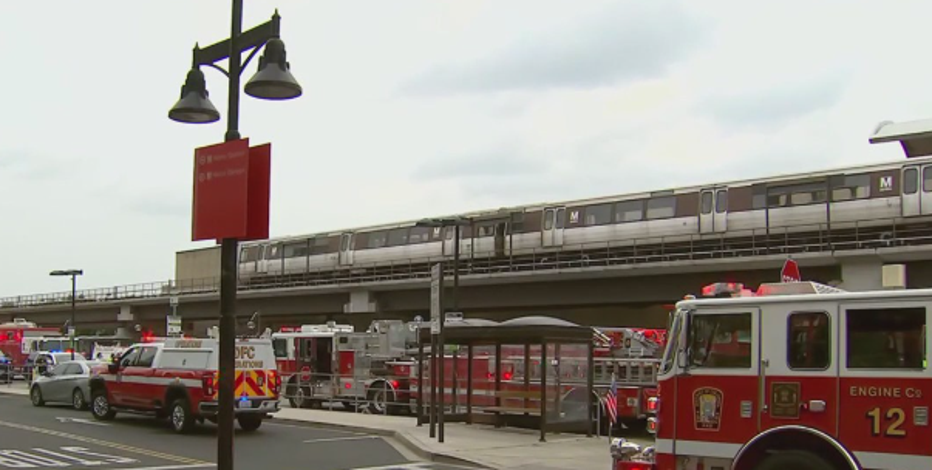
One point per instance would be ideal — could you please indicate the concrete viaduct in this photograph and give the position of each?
(630, 294)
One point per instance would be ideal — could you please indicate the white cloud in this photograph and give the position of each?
(415, 108)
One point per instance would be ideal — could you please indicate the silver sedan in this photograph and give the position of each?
(68, 382)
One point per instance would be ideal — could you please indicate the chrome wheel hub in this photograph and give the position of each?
(101, 406)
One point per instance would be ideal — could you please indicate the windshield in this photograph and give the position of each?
(280, 345)
(669, 354)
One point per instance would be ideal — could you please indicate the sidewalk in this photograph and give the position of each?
(483, 445)
(498, 448)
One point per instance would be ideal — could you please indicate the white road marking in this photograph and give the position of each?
(80, 420)
(348, 438)
(171, 467)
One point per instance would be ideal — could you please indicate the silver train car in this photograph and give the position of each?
(873, 194)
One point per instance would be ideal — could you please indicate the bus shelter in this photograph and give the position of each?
(528, 372)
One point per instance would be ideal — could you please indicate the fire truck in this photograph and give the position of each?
(16, 341)
(332, 362)
(378, 368)
(796, 375)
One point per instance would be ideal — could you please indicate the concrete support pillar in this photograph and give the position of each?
(861, 274)
(360, 301)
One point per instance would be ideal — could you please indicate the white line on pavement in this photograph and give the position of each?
(171, 467)
(348, 438)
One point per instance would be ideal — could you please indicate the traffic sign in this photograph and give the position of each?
(790, 272)
(436, 288)
(173, 325)
(173, 301)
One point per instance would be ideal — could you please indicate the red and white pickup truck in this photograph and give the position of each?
(177, 378)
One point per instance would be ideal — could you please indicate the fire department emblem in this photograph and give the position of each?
(707, 402)
(784, 400)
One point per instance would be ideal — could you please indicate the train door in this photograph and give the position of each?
(465, 241)
(911, 198)
(917, 190)
(500, 229)
(713, 210)
(346, 249)
(552, 228)
(262, 263)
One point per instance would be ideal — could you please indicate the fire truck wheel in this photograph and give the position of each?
(36, 396)
(100, 405)
(181, 418)
(77, 400)
(249, 423)
(797, 460)
(300, 398)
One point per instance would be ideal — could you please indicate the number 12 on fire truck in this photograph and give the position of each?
(799, 375)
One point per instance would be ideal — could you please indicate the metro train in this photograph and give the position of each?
(868, 194)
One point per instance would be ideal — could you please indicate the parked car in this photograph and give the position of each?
(44, 361)
(68, 382)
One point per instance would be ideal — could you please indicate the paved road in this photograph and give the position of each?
(60, 437)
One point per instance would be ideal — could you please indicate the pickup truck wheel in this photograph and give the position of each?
(799, 460)
(249, 423)
(100, 406)
(36, 396)
(181, 418)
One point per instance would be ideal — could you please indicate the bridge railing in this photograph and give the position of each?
(791, 239)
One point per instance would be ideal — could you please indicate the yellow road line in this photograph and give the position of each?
(113, 445)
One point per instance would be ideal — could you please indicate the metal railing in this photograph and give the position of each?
(791, 239)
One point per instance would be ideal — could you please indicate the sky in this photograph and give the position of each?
(418, 108)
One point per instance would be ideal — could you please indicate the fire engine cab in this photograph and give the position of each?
(178, 378)
(16, 342)
(798, 375)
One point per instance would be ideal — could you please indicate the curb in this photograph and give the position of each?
(399, 436)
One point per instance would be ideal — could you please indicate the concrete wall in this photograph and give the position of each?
(200, 263)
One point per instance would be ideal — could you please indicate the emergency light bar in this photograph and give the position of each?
(724, 289)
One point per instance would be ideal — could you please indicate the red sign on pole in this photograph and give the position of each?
(790, 272)
(231, 191)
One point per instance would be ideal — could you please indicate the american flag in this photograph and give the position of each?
(611, 401)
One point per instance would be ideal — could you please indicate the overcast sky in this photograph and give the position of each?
(416, 108)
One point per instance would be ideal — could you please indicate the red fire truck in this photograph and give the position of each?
(798, 375)
(16, 341)
(332, 362)
(378, 368)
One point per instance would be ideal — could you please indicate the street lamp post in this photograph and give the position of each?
(456, 223)
(272, 81)
(74, 273)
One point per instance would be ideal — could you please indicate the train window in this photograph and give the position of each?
(296, 250)
(720, 340)
(275, 251)
(927, 179)
(886, 338)
(548, 220)
(419, 235)
(517, 223)
(661, 208)
(721, 201)
(599, 215)
(377, 239)
(485, 230)
(706, 207)
(910, 181)
(321, 245)
(250, 254)
(807, 336)
(398, 236)
(629, 211)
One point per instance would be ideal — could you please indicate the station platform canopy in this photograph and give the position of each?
(914, 136)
